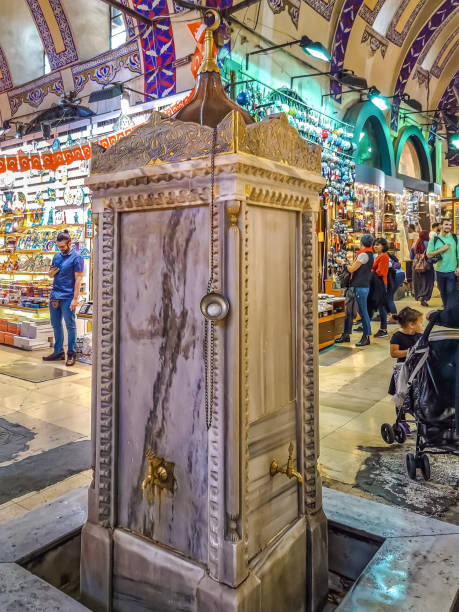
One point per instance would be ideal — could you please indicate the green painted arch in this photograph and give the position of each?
(358, 114)
(413, 133)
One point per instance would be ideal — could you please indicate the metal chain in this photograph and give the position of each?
(209, 326)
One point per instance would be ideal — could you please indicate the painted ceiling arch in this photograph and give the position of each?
(434, 24)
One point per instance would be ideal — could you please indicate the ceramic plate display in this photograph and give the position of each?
(68, 195)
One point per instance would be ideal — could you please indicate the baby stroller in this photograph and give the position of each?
(428, 387)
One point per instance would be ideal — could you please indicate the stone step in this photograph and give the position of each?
(22, 591)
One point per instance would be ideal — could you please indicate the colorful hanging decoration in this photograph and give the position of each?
(52, 160)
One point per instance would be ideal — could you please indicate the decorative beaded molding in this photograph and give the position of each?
(375, 41)
(323, 7)
(438, 67)
(107, 368)
(434, 24)
(5, 80)
(69, 54)
(34, 93)
(104, 68)
(312, 497)
(245, 381)
(369, 15)
(392, 33)
(216, 517)
(343, 31)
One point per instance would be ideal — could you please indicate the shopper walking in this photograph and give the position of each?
(446, 266)
(395, 279)
(360, 271)
(67, 274)
(423, 272)
(378, 293)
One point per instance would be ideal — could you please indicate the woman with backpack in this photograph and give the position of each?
(423, 272)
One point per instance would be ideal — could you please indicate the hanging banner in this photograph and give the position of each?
(22, 162)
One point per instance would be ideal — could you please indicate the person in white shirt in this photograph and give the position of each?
(413, 236)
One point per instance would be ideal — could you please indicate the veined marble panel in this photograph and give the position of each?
(163, 275)
(272, 500)
(272, 254)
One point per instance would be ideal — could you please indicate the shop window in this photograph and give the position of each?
(118, 34)
(370, 142)
(409, 164)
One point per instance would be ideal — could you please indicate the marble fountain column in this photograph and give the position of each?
(186, 510)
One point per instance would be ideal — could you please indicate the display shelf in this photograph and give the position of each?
(27, 252)
(25, 308)
(18, 272)
(84, 316)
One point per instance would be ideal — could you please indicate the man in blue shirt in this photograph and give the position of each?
(67, 274)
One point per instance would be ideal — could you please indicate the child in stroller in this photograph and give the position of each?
(429, 382)
(410, 321)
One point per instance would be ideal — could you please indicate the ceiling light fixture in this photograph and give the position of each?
(315, 49)
(375, 97)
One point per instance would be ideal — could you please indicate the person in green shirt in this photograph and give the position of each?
(446, 270)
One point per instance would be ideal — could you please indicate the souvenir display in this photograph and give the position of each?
(41, 203)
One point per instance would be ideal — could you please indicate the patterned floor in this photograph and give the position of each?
(353, 457)
(44, 436)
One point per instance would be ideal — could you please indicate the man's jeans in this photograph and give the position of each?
(361, 295)
(446, 283)
(63, 310)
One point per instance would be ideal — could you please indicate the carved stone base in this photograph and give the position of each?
(148, 577)
(95, 572)
(317, 554)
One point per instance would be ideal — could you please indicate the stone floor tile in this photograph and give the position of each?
(10, 511)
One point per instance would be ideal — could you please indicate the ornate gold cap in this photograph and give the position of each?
(208, 63)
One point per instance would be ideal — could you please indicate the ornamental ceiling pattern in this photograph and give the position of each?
(57, 41)
(412, 56)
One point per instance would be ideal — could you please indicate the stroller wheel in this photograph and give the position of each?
(399, 433)
(424, 464)
(411, 466)
(387, 433)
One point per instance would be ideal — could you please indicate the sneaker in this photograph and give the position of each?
(54, 357)
(71, 358)
(406, 427)
(382, 333)
(343, 338)
(364, 341)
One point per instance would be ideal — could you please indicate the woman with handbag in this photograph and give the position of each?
(423, 272)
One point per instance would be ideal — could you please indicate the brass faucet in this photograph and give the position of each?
(160, 473)
(289, 470)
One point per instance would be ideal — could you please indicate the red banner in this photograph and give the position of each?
(52, 161)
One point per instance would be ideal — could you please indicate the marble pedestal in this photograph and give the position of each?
(226, 534)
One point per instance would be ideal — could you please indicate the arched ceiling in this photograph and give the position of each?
(400, 46)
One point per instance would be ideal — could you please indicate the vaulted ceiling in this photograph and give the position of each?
(401, 46)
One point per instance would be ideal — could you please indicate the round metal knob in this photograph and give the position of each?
(214, 306)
